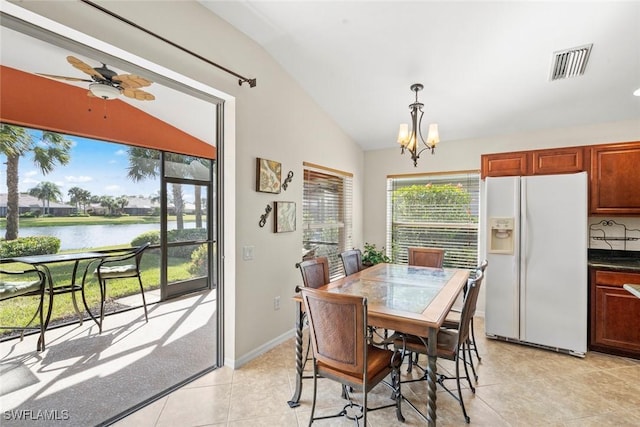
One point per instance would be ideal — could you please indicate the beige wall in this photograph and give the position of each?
(275, 120)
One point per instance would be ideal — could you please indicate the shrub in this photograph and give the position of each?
(23, 246)
(199, 265)
(187, 234)
(152, 237)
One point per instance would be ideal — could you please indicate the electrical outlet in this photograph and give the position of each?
(276, 303)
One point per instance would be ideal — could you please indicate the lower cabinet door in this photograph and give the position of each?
(616, 323)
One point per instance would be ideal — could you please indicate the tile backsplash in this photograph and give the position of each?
(610, 233)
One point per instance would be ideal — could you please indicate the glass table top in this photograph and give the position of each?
(397, 287)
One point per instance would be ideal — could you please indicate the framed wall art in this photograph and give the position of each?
(268, 176)
(285, 217)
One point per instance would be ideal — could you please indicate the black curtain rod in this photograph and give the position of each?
(241, 79)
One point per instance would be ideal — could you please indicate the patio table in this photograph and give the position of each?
(40, 262)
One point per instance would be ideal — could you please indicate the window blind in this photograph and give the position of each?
(327, 214)
(436, 210)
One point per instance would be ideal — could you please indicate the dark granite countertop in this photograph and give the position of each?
(614, 260)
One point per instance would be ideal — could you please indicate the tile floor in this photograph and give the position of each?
(518, 386)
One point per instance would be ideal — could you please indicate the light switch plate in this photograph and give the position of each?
(247, 253)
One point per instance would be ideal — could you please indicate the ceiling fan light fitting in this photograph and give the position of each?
(104, 91)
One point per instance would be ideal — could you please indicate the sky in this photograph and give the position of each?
(97, 166)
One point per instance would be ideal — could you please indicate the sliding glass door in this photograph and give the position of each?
(188, 224)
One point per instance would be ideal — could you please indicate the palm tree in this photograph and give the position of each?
(145, 163)
(46, 191)
(53, 149)
(79, 197)
(108, 202)
(122, 202)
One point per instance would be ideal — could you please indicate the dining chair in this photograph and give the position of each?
(120, 266)
(426, 257)
(315, 271)
(351, 261)
(26, 283)
(423, 257)
(341, 352)
(453, 320)
(451, 343)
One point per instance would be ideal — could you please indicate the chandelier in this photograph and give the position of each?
(411, 140)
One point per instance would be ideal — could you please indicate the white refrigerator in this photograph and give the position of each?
(536, 244)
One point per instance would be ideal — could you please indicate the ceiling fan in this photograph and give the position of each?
(106, 84)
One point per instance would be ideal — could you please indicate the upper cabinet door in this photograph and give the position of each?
(505, 164)
(615, 179)
(560, 160)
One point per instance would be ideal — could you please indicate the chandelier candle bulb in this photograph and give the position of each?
(433, 137)
(403, 134)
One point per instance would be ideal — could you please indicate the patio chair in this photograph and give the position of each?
(119, 266)
(26, 283)
(341, 352)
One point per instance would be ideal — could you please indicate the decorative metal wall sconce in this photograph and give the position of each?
(263, 217)
(287, 180)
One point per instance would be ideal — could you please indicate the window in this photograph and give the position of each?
(438, 210)
(327, 214)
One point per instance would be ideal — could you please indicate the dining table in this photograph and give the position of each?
(71, 285)
(401, 298)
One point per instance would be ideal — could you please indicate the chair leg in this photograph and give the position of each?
(473, 339)
(395, 381)
(315, 391)
(473, 369)
(464, 411)
(466, 370)
(103, 296)
(144, 301)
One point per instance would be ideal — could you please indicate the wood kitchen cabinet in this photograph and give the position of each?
(505, 164)
(558, 160)
(536, 162)
(615, 179)
(614, 313)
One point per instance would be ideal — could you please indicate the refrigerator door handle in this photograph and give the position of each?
(522, 256)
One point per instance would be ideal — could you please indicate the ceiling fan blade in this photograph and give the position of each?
(71, 79)
(132, 81)
(84, 67)
(138, 94)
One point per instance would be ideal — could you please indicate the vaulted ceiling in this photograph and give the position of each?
(485, 66)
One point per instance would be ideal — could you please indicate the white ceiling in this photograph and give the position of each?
(485, 65)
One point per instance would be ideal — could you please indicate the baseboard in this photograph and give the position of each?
(237, 363)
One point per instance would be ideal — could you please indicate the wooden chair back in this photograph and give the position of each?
(315, 272)
(426, 257)
(469, 306)
(337, 325)
(351, 261)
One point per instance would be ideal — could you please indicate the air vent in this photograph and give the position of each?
(570, 62)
